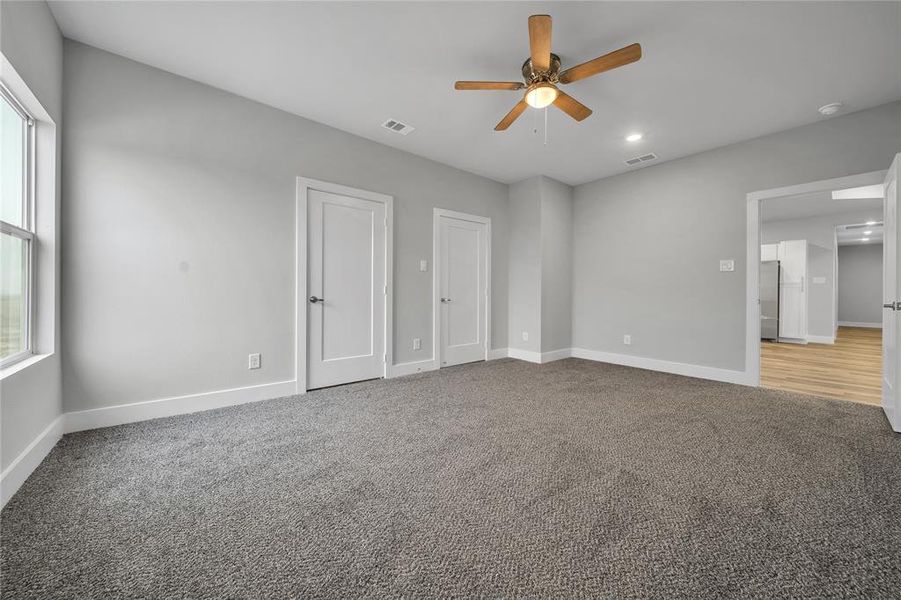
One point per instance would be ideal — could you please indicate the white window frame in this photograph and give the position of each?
(26, 232)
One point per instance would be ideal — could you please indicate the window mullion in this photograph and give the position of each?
(16, 231)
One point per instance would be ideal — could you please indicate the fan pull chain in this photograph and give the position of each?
(545, 125)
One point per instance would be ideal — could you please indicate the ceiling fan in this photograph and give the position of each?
(541, 73)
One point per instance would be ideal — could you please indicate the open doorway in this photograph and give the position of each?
(820, 290)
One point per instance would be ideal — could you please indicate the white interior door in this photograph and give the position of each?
(793, 289)
(346, 286)
(891, 402)
(462, 278)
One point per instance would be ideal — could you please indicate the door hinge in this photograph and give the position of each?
(384, 358)
(386, 290)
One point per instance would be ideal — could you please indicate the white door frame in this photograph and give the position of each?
(436, 279)
(304, 185)
(752, 293)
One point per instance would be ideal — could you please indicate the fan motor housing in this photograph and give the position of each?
(532, 76)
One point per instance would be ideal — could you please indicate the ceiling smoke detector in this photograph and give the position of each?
(830, 109)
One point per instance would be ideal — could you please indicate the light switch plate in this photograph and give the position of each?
(727, 265)
(525, 336)
(423, 265)
(627, 340)
(417, 344)
(253, 361)
(819, 280)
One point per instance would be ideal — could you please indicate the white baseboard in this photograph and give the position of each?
(24, 465)
(496, 353)
(413, 367)
(539, 357)
(666, 366)
(178, 405)
(859, 324)
(820, 339)
(526, 355)
(553, 355)
(422, 366)
(799, 341)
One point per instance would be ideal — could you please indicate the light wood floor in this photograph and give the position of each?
(851, 369)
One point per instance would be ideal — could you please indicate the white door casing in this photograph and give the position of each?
(344, 258)
(891, 392)
(753, 254)
(461, 287)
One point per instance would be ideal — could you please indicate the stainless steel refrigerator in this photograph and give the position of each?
(769, 300)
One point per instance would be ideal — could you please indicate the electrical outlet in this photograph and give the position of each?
(525, 336)
(423, 265)
(417, 344)
(727, 265)
(253, 361)
(627, 340)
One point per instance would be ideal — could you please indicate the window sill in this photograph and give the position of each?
(22, 365)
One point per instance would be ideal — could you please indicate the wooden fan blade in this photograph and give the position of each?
(489, 85)
(540, 41)
(572, 107)
(511, 116)
(615, 59)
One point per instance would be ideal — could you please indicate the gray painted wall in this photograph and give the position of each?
(860, 283)
(540, 264)
(647, 243)
(821, 258)
(30, 399)
(525, 264)
(179, 232)
(556, 264)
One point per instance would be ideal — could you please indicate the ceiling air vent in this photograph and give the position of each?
(397, 127)
(641, 159)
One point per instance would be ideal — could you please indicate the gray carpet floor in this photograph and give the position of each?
(498, 479)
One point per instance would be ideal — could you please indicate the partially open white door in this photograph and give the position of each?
(462, 286)
(891, 401)
(346, 289)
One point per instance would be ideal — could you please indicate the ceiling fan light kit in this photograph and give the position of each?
(542, 75)
(542, 94)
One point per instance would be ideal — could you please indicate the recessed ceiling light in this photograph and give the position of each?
(831, 108)
(870, 223)
(867, 232)
(634, 137)
(864, 239)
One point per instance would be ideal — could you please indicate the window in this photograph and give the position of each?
(16, 228)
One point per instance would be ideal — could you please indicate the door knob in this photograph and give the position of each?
(892, 306)
(445, 300)
(314, 299)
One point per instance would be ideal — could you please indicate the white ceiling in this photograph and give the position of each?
(856, 234)
(848, 226)
(814, 205)
(712, 73)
